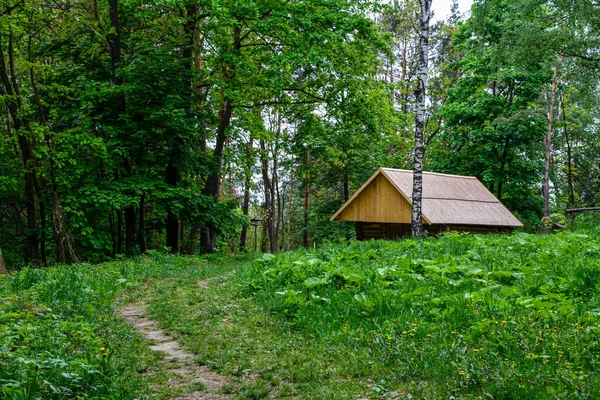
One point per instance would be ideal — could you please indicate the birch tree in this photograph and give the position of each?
(419, 149)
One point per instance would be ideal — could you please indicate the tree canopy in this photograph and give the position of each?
(130, 126)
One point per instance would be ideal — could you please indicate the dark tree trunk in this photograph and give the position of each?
(247, 182)
(306, 202)
(42, 122)
(3, 269)
(141, 238)
(172, 220)
(502, 166)
(212, 185)
(58, 222)
(119, 246)
(10, 89)
(113, 233)
(190, 247)
(417, 193)
(114, 40)
(129, 230)
(269, 218)
(208, 240)
(289, 219)
(245, 210)
(346, 185)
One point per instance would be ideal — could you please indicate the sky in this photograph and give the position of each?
(441, 8)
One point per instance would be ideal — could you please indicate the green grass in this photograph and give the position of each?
(501, 316)
(61, 336)
(504, 317)
(470, 316)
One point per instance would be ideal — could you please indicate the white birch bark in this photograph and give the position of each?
(417, 194)
(548, 141)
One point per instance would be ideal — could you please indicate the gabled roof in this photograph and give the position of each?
(447, 199)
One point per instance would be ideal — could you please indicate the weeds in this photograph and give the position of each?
(469, 316)
(509, 316)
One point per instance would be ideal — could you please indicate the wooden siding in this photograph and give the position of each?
(367, 231)
(379, 201)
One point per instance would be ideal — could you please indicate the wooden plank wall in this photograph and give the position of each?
(367, 231)
(380, 201)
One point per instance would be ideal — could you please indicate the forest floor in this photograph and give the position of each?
(462, 316)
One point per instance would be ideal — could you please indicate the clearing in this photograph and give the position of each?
(465, 316)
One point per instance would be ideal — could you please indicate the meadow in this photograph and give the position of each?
(493, 316)
(467, 316)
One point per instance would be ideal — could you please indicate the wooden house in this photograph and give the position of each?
(381, 207)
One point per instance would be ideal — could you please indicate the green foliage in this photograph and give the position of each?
(61, 335)
(512, 316)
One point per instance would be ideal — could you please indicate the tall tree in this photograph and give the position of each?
(420, 94)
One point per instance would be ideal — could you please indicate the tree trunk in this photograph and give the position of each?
(38, 189)
(3, 269)
(420, 93)
(119, 232)
(569, 156)
(190, 247)
(276, 197)
(548, 141)
(247, 182)
(141, 238)
(212, 185)
(172, 173)
(58, 222)
(269, 218)
(289, 218)
(129, 230)
(502, 165)
(114, 40)
(346, 185)
(306, 202)
(10, 89)
(172, 241)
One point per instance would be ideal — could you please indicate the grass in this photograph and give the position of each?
(469, 316)
(61, 336)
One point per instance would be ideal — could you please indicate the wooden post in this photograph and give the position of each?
(255, 238)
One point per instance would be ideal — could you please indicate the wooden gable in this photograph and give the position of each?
(378, 201)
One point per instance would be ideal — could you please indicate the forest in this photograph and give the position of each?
(132, 126)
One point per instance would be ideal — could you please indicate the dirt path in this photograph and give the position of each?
(177, 359)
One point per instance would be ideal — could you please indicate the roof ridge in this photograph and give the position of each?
(430, 173)
(457, 199)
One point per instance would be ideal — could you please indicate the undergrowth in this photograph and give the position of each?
(470, 316)
(502, 316)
